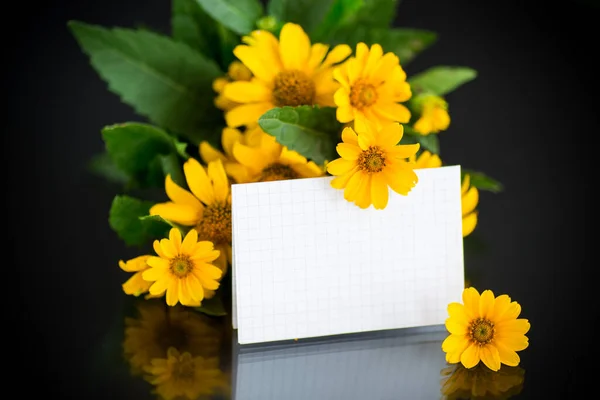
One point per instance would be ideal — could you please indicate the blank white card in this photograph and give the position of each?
(308, 263)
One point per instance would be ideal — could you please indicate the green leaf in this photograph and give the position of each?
(404, 42)
(227, 42)
(124, 219)
(441, 80)
(311, 131)
(134, 147)
(103, 165)
(306, 13)
(191, 25)
(160, 78)
(341, 13)
(378, 13)
(171, 165)
(428, 142)
(482, 181)
(238, 15)
(213, 307)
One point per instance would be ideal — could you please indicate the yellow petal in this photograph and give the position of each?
(206, 282)
(252, 59)
(348, 151)
(290, 157)
(180, 214)
(465, 184)
(470, 200)
(366, 140)
(400, 179)
(390, 135)
(344, 113)
(294, 47)
(511, 312)
(340, 74)
(220, 183)
(353, 186)
(490, 356)
(157, 249)
(457, 326)
(198, 181)
(246, 114)
(341, 181)
(209, 271)
(135, 264)
(515, 342)
(155, 274)
(317, 54)
(470, 357)
(454, 343)
(379, 191)
(341, 97)
(175, 239)
(247, 92)
(373, 58)
(338, 54)
(385, 66)
(250, 157)
(158, 262)
(520, 326)
(423, 126)
(136, 285)
(456, 311)
(470, 298)
(184, 295)
(486, 304)
(355, 68)
(167, 248)
(228, 137)
(361, 122)
(179, 195)
(159, 287)
(349, 136)
(507, 356)
(363, 197)
(453, 357)
(187, 246)
(209, 153)
(469, 223)
(173, 292)
(194, 288)
(392, 111)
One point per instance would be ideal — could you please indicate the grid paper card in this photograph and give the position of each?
(308, 263)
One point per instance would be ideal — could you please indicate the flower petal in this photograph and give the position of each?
(348, 151)
(184, 295)
(188, 243)
(363, 197)
(390, 135)
(338, 54)
(173, 292)
(469, 223)
(155, 274)
(198, 181)
(179, 195)
(220, 182)
(470, 357)
(340, 182)
(520, 326)
(470, 298)
(486, 304)
(513, 341)
(175, 238)
(470, 200)
(392, 111)
(379, 191)
(136, 285)
(352, 186)
(228, 137)
(457, 326)
(246, 114)
(490, 356)
(252, 59)
(507, 356)
(247, 92)
(178, 213)
(209, 153)
(344, 113)
(294, 47)
(194, 288)
(159, 287)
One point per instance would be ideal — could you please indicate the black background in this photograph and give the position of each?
(529, 120)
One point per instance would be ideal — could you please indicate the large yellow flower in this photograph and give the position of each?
(426, 160)
(251, 138)
(154, 328)
(207, 208)
(182, 376)
(480, 382)
(136, 285)
(270, 161)
(371, 161)
(183, 269)
(288, 72)
(236, 72)
(372, 86)
(470, 199)
(434, 115)
(485, 328)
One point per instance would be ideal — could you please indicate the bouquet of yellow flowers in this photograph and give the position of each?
(243, 92)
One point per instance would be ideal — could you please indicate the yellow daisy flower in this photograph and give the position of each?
(434, 115)
(183, 269)
(470, 199)
(236, 72)
(480, 382)
(207, 208)
(136, 285)
(182, 376)
(372, 85)
(250, 137)
(371, 161)
(485, 328)
(287, 72)
(426, 160)
(270, 161)
(154, 328)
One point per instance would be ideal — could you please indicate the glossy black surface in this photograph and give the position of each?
(528, 120)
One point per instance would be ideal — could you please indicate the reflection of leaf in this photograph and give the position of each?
(473, 244)
(213, 307)
(483, 182)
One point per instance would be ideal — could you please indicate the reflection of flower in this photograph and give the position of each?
(158, 327)
(470, 199)
(370, 163)
(287, 72)
(207, 207)
(481, 382)
(183, 376)
(426, 160)
(485, 328)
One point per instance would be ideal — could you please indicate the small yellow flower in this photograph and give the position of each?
(370, 162)
(270, 161)
(287, 72)
(154, 328)
(251, 138)
(236, 72)
(207, 208)
(480, 382)
(485, 328)
(136, 285)
(426, 160)
(183, 269)
(182, 376)
(372, 86)
(470, 199)
(434, 115)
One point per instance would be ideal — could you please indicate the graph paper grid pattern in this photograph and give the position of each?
(308, 263)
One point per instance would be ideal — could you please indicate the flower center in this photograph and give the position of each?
(215, 225)
(362, 94)
(481, 331)
(181, 265)
(277, 172)
(293, 88)
(371, 160)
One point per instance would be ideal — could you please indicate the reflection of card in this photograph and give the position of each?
(401, 364)
(308, 263)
